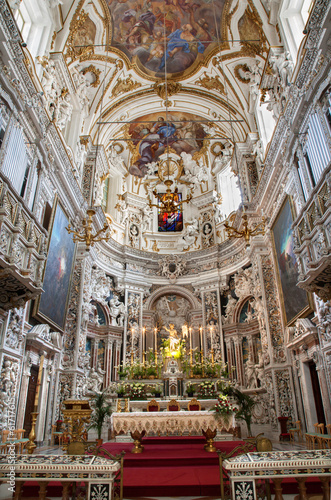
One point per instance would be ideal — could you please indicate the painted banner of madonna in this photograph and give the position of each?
(167, 35)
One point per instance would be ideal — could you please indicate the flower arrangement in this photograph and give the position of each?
(206, 390)
(224, 408)
(137, 391)
(156, 390)
(190, 389)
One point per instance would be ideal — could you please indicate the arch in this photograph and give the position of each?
(172, 290)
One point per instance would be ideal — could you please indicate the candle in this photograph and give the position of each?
(155, 339)
(211, 336)
(132, 339)
(190, 330)
(200, 338)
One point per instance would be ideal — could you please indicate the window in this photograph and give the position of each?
(317, 154)
(170, 222)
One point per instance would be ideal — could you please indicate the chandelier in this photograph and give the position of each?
(85, 233)
(246, 232)
(169, 201)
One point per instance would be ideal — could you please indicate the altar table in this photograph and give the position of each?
(139, 424)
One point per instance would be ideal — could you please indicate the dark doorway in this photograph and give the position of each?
(30, 399)
(317, 393)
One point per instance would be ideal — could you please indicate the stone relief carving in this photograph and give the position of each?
(217, 206)
(14, 333)
(172, 267)
(324, 317)
(190, 236)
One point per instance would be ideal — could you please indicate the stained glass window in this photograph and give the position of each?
(170, 221)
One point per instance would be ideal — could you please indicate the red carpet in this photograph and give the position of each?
(171, 466)
(179, 466)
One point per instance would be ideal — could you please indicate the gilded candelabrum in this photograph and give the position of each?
(32, 436)
(169, 202)
(85, 233)
(246, 232)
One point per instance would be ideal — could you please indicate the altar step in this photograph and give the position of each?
(179, 466)
(171, 466)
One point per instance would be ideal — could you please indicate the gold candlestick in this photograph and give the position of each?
(212, 356)
(32, 436)
(155, 353)
(203, 371)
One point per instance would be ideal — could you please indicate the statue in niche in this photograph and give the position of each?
(250, 373)
(259, 367)
(95, 380)
(173, 337)
(117, 310)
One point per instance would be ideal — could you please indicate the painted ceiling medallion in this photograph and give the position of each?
(167, 36)
(184, 133)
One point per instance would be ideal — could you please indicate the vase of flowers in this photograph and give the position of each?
(207, 390)
(224, 408)
(137, 391)
(190, 389)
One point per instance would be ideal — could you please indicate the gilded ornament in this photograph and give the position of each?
(168, 90)
(211, 83)
(251, 27)
(53, 40)
(123, 86)
(155, 247)
(241, 69)
(96, 72)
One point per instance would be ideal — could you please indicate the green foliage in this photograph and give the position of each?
(101, 410)
(246, 404)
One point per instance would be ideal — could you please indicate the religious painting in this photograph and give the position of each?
(52, 304)
(167, 36)
(295, 299)
(170, 222)
(180, 132)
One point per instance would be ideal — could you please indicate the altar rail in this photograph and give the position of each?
(96, 473)
(245, 470)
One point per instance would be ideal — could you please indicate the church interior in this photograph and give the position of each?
(165, 234)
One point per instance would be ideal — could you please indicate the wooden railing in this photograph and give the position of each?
(246, 470)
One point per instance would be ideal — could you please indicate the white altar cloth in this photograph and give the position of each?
(169, 422)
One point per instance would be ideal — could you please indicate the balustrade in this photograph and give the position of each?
(246, 470)
(22, 248)
(96, 474)
(313, 243)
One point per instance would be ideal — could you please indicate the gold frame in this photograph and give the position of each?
(36, 313)
(309, 307)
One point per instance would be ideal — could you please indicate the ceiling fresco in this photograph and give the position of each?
(169, 35)
(157, 131)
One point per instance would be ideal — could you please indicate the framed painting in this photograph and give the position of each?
(51, 306)
(295, 299)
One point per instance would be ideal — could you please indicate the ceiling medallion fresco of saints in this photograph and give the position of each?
(168, 35)
(157, 132)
